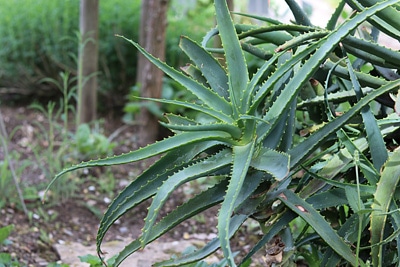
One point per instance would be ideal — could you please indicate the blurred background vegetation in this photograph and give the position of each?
(39, 39)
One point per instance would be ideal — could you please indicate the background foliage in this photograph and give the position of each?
(39, 39)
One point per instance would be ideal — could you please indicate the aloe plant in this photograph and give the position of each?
(244, 133)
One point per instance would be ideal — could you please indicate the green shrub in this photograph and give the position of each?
(296, 139)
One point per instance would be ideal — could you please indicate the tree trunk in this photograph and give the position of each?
(153, 26)
(88, 61)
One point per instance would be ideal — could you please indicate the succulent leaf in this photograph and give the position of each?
(207, 96)
(390, 177)
(320, 225)
(198, 169)
(273, 162)
(195, 205)
(235, 60)
(241, 162)
(145, 186)
(213, 72)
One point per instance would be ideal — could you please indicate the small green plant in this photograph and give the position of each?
(272, 168)
(58, 152)
(90, 143)
(5, 258)
(51, 152)
(5, 233)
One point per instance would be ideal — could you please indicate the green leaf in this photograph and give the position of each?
(325, 46)
(253, 84)
(206, 95)
(91, 259)
(303, 149)
(5, 232)
(372, 52)
(319, 224)
(232, 130)
(353, 200)
(145, 186)
(198, 169)
(215, 75)
(386, 186)
(385, 20)
(235, 60)
(195, 205)
(241, 161)
(195, 73)
(335, 16)
(276, 34)
(349, 232)
(335, 98)
(300, 16)
(249, 186)
(272, 162)
(374, 136)
(5, 258)
(235, 222)
(358, 146)
(280, 72)
(326, 199)
(149, 151)
(365, 79)
(201, 108)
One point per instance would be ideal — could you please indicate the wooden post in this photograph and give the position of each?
(88, 61)
(153, 24)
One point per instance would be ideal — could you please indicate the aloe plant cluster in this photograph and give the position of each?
(276, 141)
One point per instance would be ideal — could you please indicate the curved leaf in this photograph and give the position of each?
(241, 161)
(319, 224)
(335, 16)
(386, 186)
(300, 16)
(198, 169)
(145, 186)
(304, 148)
(310, 66)
(149, 151)
(276, 33)
(272, 162)
(385, 20)
(377, 145)
(235, 60)
(209, 97)
(235, 222)
(365, 79)
(195, 205)
(233, 130)
(358, 146)
(198, 107)
(215, 75)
